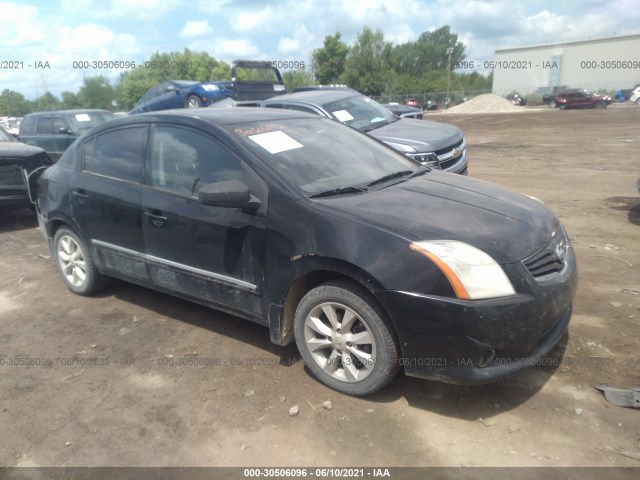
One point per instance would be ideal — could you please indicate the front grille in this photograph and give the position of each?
(11, 177)
(551, 259)
(443, 158)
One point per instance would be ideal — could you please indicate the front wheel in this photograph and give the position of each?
(193, 101)
(75, 264)
(345, 338)
(601, 105)
(553, 104)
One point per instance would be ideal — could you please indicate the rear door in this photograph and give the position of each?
(211, 254)
(105, 198)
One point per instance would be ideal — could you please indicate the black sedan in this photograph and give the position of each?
(17, 164)
(434, 144)
(368, 260)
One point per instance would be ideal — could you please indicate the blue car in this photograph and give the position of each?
(182, 94)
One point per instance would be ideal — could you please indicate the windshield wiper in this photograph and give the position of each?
(419, 172)
(339, 191)
(382, 123)
(391, 176)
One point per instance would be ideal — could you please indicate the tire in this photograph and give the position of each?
(563, 106)
(638, 102)
(600, 105)
(75, 264)
(193, 101)
(553, 104)
(331, 353)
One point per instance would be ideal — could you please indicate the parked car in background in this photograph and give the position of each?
(579, 99)
(403, 111)
(182, 94)
(430, 105)
(55, 130)
(365, 258)
(627, 93)
(411, 102)
(435, 144)
(516, 99)
(17, 164)
(260, 80)
(308, 88)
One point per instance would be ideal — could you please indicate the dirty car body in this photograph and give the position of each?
(18, 162)
(368, 260)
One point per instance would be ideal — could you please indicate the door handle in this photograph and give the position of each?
(156, 218)
(80, 194)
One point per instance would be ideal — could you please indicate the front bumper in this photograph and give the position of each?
(471, 342)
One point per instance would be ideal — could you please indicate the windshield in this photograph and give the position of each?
(319, 155)
(360, 112)
(87, 120)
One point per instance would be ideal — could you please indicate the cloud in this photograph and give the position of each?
(247, 21)
(196, 28)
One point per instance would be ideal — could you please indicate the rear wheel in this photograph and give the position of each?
(75, 264)
(346, 339)
(193, 101)
(601, 105)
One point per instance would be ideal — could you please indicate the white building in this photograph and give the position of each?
(607, 63)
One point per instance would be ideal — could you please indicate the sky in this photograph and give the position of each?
(41, 40)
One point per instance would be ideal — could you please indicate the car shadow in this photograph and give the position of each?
(465, 402)
(15, 220)
(631, 205)
(478, 401)
(202, 317)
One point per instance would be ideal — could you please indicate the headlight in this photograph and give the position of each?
(211, 88)
(472, 273)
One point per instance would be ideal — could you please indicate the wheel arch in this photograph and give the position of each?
(315, 272)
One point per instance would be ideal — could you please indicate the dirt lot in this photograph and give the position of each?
(131, 409)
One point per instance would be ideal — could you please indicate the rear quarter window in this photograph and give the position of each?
(117, 153)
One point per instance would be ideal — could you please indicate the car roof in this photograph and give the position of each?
(318, 97)
(214, 116)
(72, 111)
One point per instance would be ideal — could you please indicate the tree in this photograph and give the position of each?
(428, 53)
(367, 66)
(70, 100)
(96, 92)
(329, 61)
(13, 104)
(47, 101)
(297, 78)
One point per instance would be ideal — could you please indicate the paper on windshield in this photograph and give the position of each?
(275, 142)
(82, 117)
(342, 115)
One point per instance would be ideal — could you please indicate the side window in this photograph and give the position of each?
(184, 160)
(28, 125)
(58, 123)
(153, 93)
(117, 153)
(45, 125)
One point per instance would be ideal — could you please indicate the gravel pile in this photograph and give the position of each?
(487, 103)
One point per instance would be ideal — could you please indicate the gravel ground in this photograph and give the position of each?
(487, 103)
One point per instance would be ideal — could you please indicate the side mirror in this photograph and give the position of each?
(228, 194)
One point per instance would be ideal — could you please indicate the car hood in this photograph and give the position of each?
(421, 135)
(443, 206)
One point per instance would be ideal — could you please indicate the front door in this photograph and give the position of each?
(212, 254)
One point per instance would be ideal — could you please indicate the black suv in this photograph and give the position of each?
(55, 130)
